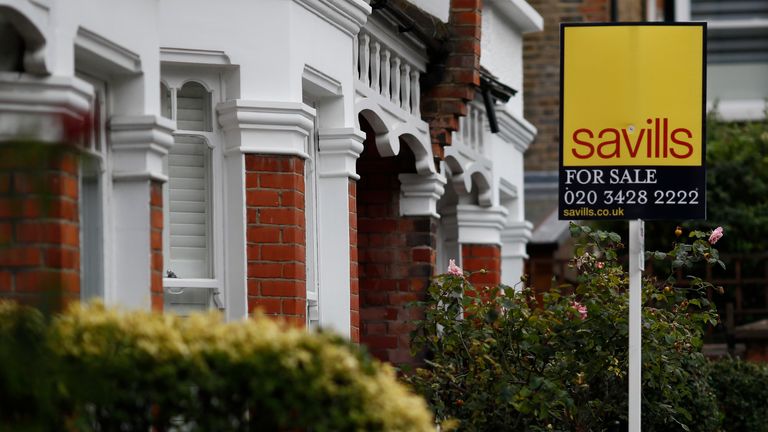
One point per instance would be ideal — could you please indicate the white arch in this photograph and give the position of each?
(21, 14)
(391, 128)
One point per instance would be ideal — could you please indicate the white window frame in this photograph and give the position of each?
(311, 224)
(175, 78)
(97, 150)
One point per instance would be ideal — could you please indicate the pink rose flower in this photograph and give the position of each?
(716, 235)
(453, 269)
(581, 309)
(600, 264)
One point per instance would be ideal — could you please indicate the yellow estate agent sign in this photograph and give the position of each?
(632, 121)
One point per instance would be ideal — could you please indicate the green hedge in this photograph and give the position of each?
(742, 393)
(93, 368)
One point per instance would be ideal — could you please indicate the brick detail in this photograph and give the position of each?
(446, 101)
(477, 257)
(354, 272)
(396, 257)
(276, 236)
(39, 224)
(156, 243)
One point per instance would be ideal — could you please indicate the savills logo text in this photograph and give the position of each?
(659, 140)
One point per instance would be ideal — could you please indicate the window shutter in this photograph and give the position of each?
(190, 208)
(193, 108)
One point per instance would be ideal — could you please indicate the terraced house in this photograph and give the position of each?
(316, 159)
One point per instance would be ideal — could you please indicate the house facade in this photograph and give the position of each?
(315, 159)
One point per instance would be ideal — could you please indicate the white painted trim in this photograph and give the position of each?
(235, 256)
(32, 106)
(739, 109)
(194, 56)
(390, 123)
(480, 225)
(403, 44)
(320, 84)
(139, 144)
(515, 130)
(339, 150)
(514, 237)
(752, 23)
(100, 53)
(31, 20)
(419, 194)
(266, 127)
(139, 176)
(521, 14)
(507, 189)
(346, 15)
(682, 10)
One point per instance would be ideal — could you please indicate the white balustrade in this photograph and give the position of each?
(385, 72)
(472, 129)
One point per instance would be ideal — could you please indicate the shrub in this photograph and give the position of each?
(139, 370)
(742, 393)
(559, 361)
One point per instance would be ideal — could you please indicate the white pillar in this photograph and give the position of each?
(419, 194)
(480, 225)
(139, 144)
(514, 238)
(339, 150)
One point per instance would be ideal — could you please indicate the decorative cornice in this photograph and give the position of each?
(139, 145)
(102, 53)
(320, 83)
(339, 150)
(36, 107)
(346, 15)
(419, 194)
(514, 130)
(266, 127)
(480, 225)
(521, 14)
(194, 56)
(514, 239)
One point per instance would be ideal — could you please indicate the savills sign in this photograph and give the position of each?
(632, 142)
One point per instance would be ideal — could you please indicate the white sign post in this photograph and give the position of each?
(636, 267)
(632, 110)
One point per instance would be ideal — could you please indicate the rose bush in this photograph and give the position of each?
(558, 361)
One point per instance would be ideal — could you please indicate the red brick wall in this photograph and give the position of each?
(396, 257)
(354, 282)
(476, 257)
(442, 104)
(276, 236)
(156, 243)
(39, 224)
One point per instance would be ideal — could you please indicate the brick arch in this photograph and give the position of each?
(396, 254)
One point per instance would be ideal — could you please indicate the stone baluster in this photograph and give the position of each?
(396, 80)
(356, 55)
(365, 59)
(385, 69)
(406, 83)
(415, 91)
(375, 66)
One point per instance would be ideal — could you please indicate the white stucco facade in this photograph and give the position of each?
(282, 77)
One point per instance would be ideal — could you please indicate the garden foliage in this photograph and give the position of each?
(503, 359)
(742, 393)
(97, 369)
